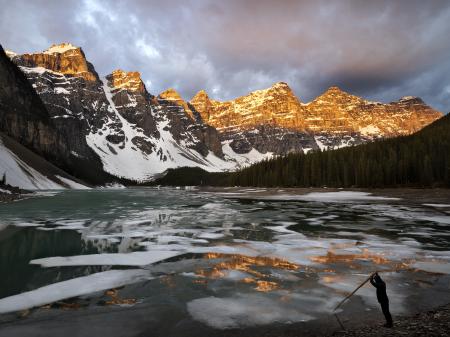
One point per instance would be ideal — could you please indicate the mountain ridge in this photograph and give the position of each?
(138, 135)
(308, 111)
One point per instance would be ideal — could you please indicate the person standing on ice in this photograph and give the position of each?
(382, 297)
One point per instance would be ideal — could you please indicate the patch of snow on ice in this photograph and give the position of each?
(341, 196)
(437, 205)
(72, 288)
(433, 267)
(119, 259)
(243, 311)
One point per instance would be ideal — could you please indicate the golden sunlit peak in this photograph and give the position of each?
(335, 90)
(118, 72)
(170, 94)
(120, 79)
(201, 95)
(60, 48)
(280, 84)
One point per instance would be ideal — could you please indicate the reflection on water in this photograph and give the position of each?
(18, 246)
(232, 256)
(254, 270)
(332, 257)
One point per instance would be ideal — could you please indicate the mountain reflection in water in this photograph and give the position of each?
(233, 256)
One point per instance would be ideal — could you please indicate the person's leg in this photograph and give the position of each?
(386, 313)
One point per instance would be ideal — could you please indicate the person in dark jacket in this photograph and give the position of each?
(382, 297)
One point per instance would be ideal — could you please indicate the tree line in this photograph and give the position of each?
(418, 160)
(421, 159)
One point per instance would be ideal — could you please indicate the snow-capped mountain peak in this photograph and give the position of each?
(60, 48)
(136, 135)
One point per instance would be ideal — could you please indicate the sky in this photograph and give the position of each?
(379, 49)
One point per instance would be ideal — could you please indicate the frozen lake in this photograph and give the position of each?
(200, 262)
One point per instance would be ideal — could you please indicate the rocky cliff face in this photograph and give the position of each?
(65, 59)
(186, 118)
(338, 111)
(130, 81)
(135, 134)
(26, 120)
(272, 118)
(173, 97)
(117, 125)
(75, 101)
(276, 106)
(24, 117)
(132, 101)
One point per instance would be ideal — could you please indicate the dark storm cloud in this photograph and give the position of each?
(381, 50)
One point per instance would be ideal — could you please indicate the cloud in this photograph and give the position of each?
(379, 49)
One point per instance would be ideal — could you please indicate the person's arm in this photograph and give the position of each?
(372, 282)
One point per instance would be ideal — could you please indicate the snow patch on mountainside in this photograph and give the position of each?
(72, 184)
(10, 53)
(129, 161)
(19, 174)
(60, 48)
(321, 145)
(245, 159)
(370, 130)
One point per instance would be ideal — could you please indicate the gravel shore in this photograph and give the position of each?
(431, 323)
(9, 197)
(10, 193)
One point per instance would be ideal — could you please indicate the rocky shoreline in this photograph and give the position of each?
(10, 193)
(435, 322)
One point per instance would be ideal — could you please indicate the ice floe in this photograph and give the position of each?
(72, 288)
(119, 259)
(438, 205)
(341, 196)
(243, 310)
(433, 267)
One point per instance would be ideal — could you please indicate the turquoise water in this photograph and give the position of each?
(232, 259)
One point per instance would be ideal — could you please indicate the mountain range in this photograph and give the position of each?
(102, 130)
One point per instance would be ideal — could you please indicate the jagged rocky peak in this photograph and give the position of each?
(276, 105)
(173, 96)
(200, 96)
(131, 81)
(63, 58)
(60, 48)
(202, 103)
(335, 95)
(280, 86)
(335, 89)
(277, 90)
(411, 100)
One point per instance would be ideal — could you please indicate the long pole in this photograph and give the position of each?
(354, 291)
